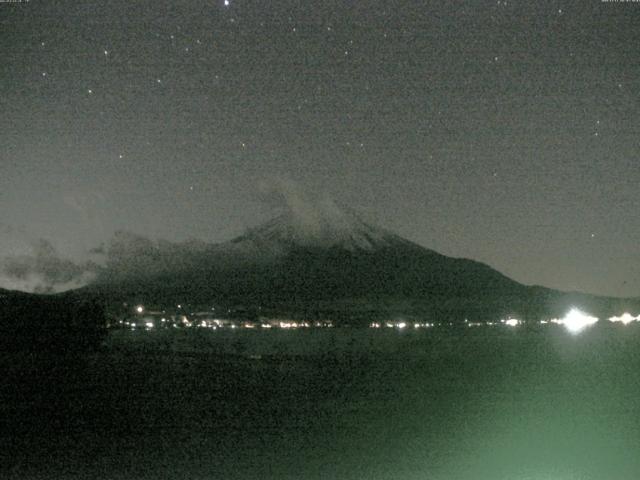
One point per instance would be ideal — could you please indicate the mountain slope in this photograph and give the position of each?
(329, 262)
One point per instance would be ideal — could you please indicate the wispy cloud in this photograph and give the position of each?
(310, 211)
(43, 270)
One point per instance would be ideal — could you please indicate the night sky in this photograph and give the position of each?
(506, 131)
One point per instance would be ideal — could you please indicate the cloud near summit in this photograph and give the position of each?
(36, 266)
(311, 212)
(42, 270)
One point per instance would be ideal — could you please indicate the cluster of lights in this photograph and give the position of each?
(400, 325)
(287, 325)
(302, 324)
(575, 321)
(511, 322)
(476, 324)
(423, 325)
(133, 325)
(214, 324)
(625, 319)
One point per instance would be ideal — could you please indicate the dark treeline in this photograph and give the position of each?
(50, 323)
(44, 340)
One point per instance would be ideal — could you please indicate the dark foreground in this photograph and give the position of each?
(485, 403)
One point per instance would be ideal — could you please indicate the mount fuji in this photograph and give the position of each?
(327, 261)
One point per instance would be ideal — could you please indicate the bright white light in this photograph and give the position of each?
(576, 320)
(149, 324)
(625, 319)
(226, 3)
(139, 309)
(401, 325)
(512, 322)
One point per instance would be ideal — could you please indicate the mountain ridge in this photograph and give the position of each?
(332, 263)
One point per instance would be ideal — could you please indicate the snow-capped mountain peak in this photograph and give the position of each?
(325, 226)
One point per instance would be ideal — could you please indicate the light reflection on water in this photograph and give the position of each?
(448, 404)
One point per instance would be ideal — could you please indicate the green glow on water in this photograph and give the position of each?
(371, 404)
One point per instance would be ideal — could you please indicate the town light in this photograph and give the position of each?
(575, 320)
(139, 309)
(625, 319)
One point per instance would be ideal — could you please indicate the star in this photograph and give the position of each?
(89, 91)
(226, 3)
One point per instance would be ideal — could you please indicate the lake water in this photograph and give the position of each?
(478, 403)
